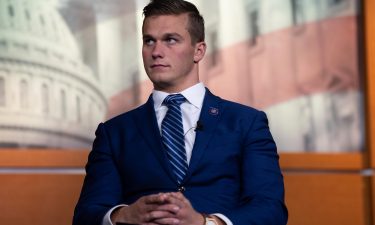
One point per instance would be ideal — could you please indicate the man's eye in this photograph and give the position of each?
(149, 42)
(171, 40)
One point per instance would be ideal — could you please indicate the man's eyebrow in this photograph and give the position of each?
(172, 34)
(147, 36)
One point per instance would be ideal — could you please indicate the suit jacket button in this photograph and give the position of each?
(181, 189)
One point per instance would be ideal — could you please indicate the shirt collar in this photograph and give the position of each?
(194, 95)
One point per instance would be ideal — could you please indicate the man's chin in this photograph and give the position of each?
(159, 78)
(164, 86)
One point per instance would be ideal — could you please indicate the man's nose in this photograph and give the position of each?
(158, 50)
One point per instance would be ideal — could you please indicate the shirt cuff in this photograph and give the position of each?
(224, 218)
(107, 217)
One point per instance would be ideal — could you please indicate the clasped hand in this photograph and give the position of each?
(159, 209)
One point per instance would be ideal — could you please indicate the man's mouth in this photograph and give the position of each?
(158, 66)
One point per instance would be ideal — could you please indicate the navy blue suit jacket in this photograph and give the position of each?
(234, 168)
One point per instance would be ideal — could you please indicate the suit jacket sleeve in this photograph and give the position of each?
(102, 186)
(262, 188)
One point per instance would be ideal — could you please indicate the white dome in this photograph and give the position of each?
(48, 96)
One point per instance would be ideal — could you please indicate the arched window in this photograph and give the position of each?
(45, 99)
(63, 104)
(10, 10)
(27, 14)
(90, 114)
(24, 94)
(78, 107)
(42, 21)
(2, 91)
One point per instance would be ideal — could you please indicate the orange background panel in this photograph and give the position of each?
(326, 199)
(43, 158)
(322, 161)
(38, 199)
(78, 158)
(369, 84)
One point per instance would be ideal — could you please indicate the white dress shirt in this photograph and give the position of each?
(190, 110)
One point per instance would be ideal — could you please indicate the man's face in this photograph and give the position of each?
(168, 54)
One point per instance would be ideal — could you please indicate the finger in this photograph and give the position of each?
(175, 201)
(155, 198)
(167, 221)
(155, 215)
(178, 195)
(178, 198)
(147, 208)
(172, 208)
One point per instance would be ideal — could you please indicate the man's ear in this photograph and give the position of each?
(200, 50)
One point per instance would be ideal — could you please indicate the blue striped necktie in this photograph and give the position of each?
(173, 135)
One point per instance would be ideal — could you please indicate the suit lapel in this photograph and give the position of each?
(147, 125)
(209, 117)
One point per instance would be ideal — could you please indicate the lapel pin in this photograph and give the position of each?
(214, 111)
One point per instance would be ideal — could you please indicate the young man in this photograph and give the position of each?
(186, 156)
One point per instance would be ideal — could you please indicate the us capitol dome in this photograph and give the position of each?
(48, 97)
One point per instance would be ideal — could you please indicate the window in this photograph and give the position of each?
(10, 11)
(27, 14)
(2, 91)
(41, 18)
(78, 107)
(336, 2)
(308, 130)
(24, 93)
(254, 26)
(45, 99)
(63, 104)
(3, 44)
(298, 16)
(213, 58)
(336, 7)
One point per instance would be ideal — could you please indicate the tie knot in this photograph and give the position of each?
(176, 99)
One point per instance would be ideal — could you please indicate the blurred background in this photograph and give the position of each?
(67, 65)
